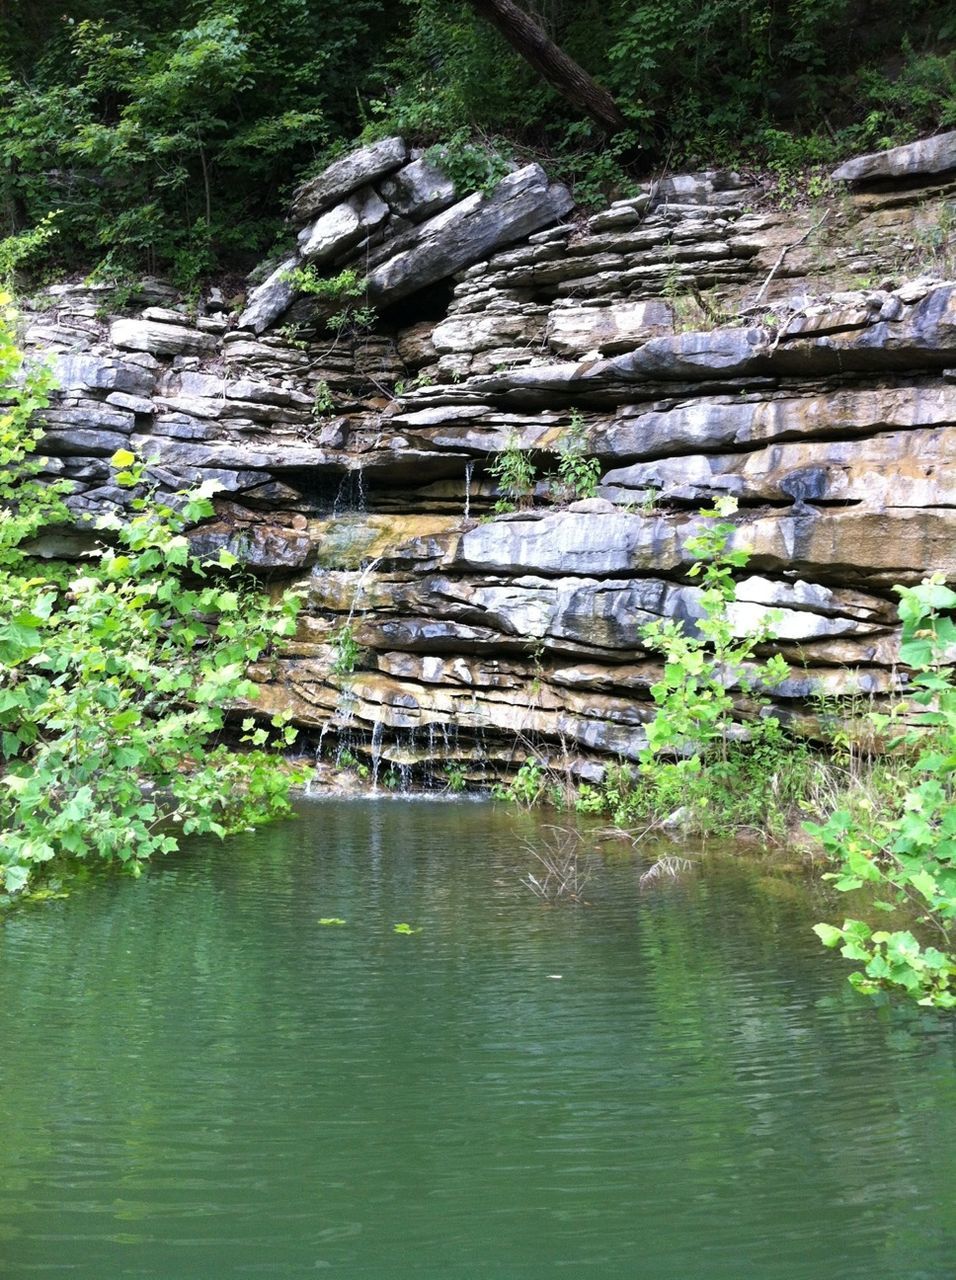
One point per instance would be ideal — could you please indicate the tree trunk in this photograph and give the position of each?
(553, 64)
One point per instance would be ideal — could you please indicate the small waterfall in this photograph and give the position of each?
(345, 755)
(469, 471)
(407, 765)
(378, 731)
(363, 577)
(351, 497)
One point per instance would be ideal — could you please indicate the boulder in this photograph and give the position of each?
(418, 191)
(346, 175)
(522, 202)
(160, 338)
(268, 300)
(341, 228)
(916, 159)
(135, 404)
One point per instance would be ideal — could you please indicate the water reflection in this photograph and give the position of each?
(199, 1080)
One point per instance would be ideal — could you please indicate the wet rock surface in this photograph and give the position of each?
(692, 341)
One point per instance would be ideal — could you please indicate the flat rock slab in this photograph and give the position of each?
(341, 228)
(344, 176)
(522, 202)
(571, 543)
(160, 339)
(931, 155)
(102, 373)
(260, 546)
(574, 330)
(712, 422)
(899, 469)
(418, 191)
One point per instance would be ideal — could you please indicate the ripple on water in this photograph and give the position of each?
(199, 1080)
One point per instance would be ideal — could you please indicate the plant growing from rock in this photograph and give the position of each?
(455, 777)
(346, 650)
(340, 295)
(578, 475)
(323, 402)
(907, 857)
(471, 166)
(514, 471)
(692, 736)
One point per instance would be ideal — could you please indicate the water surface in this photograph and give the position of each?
(199, 1081)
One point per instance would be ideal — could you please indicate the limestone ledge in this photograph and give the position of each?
(698, 344)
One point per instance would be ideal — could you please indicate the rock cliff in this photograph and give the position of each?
(696, 342)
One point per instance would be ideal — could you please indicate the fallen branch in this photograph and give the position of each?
(783, 253)
(670, 865)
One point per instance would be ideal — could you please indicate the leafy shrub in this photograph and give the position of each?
(18, 249)
(116, 677)
(527, 787)
(341, 291)
(577, 475)
(907, 856)
(514, 471)
(471, 166)
(694, 707)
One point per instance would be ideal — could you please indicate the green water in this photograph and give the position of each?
(199, 1081)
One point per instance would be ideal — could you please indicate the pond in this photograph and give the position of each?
(198, 1080)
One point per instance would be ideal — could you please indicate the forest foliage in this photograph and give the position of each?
(168, 135)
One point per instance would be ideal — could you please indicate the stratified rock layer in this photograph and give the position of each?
(696, 345)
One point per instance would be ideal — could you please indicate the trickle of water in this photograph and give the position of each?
(345, 748)
(360, 587)
(410, 751)
(469, 470)
(320, 745)
(378, 731)
(351, 496)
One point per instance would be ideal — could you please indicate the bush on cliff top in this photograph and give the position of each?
(169, 135)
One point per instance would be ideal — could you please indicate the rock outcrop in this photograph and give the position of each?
(409, 233)
(695, 342)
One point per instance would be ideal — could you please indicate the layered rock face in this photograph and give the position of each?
(696, 344)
